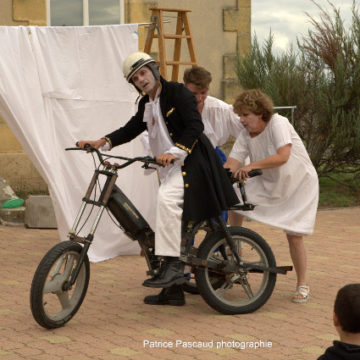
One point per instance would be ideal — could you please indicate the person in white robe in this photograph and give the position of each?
(219, 119)
(286, 194)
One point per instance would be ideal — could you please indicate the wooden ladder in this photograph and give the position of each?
(182, 25)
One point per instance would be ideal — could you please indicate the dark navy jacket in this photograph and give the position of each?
(208, 190)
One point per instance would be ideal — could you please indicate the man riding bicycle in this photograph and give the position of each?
(194, 185)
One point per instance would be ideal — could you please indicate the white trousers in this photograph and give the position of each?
(169, 211)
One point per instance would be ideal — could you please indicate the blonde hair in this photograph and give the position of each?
(255, 101)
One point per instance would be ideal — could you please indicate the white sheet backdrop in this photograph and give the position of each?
(62, 84)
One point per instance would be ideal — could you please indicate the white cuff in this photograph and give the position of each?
(180, 154)
(106, 147)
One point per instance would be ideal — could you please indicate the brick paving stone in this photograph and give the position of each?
(113, 321)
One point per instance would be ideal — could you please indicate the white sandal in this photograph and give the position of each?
(304, 292)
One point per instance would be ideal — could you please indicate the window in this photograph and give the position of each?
(85, 12)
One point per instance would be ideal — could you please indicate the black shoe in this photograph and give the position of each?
(172, 273)
(173, 295)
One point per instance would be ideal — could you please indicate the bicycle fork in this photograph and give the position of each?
(229, 240)
(101, 203)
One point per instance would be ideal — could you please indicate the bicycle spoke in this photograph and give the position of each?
(64, 299)
(247, 288)
(54, 285)
(58, 266)
(216, 259)
(222, 290)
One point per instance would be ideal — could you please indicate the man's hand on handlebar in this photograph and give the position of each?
(166, 159)
(94, 143)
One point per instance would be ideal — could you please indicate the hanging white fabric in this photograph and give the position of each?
(62, 84)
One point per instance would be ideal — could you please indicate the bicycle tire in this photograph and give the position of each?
(239, 301)
(51, 305)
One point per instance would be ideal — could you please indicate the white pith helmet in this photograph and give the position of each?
(134, 62)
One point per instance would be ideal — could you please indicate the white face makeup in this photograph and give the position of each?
(144, 80)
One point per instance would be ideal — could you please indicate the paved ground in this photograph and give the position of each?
(113, 322)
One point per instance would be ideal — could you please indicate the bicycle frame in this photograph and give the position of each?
(136, 227)
(234, 268)
(111, 197)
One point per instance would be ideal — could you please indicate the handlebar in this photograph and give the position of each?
(252, 173)
(147, 160)
(245, 206)
(255, 172)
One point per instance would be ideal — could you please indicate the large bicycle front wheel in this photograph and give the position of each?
(52, 303)
(242, 290)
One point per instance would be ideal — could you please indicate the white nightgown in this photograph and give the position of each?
(286, 196)
(220, 121)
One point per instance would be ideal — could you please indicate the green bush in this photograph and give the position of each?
(322, 79)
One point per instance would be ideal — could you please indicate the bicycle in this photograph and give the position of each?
(235, 269)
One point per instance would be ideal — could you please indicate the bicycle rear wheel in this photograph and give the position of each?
(241, 291)
(190, 285)
(52, 304)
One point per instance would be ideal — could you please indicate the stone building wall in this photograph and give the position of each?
(220, 29)
(15, 166)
